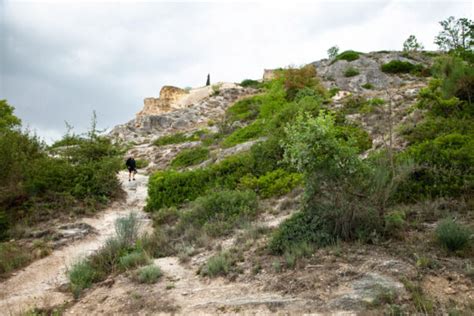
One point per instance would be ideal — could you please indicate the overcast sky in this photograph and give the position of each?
(60, 60)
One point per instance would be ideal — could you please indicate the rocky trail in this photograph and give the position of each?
(42, 283)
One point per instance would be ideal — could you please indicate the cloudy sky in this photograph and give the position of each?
(60, 60)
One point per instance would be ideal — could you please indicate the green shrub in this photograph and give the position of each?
(452, 235)
(348, 55)
(367, 86)
(172, 188)
(394, 222)
(457, 77)
(273, 183)
(244, 110)
(218, 212)
(176, 138)
(351, 72)
(251, 83)
(81, 276)
(166, 215)
(266, 156)
(142, 163)
(149, 274)
(190, 157)
(333, 91)
(220, 264)
(133, 259)
(12, 257)
(358, 135)
(398, 66)
(252, 131)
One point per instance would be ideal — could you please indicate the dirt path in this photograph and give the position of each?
(37, 284)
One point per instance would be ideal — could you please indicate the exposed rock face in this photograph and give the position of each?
(368, 65)
(168, 100)
(177, 110)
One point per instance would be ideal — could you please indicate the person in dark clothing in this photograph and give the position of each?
(132, 168)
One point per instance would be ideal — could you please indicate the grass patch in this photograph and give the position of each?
(351, 72)
(250, 132)
(273, 183)
(244, 110)
(179, 138)
(452, 235)
(190, 157)
(149, 274)
(81, 276)
(12, 257)
(367, 86)
(218, 265)
(348, 55)
(133, 259)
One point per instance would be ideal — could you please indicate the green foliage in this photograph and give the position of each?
(220, 264)
(345, 196)
(398, 66)
(351, 72)
(394, 222)
(266, 156)
(7, 119)
(333, 91)
(218, 212)
(457, 35)
(244, 110)
(411, 44)
(83, 174)
(348, 55)
(273, 183)
(457, 78)
(81, 276)
(296, 79)
(452, 235)
(133, 259)
(12, 257)
(367, 86)
(149, 274)
(172, 188)
(251, 83)
(359, 136)
(445, 167)
(249, 132)
(142, 163)
(333, 52)
(190, 157)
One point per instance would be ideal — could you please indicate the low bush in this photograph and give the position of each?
(348, 55)
(251, 83)
(394, 222)
(133, 259)
(452, 235)
(367, 86)
(149, 274)
(357, 134)
(252, 131)
(351, 72)
(218, 265)
(81, 276)
(177, 138)
(12, 257)
(273, 183)
(218, 212)
(398, 66)
(172, 188)
(190, 157)
(142, 163)
(244, 110)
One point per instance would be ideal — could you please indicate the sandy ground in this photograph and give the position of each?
(37, 284)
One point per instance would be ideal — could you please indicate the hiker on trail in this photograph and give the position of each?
(132, 168)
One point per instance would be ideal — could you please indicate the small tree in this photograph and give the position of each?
(333, 51)
(208, 81)
(412, 45)
(457, 34)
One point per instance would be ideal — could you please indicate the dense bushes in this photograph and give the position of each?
(170, 188)
(252, 131)
(348, 55)
(244, 110)
(178, 138)
(218, 212)
(277, 182)
(190, 157)
(84, 173)
(452, 235)
(398, 66)
(345, 196)
(251, 83)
